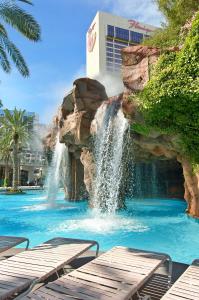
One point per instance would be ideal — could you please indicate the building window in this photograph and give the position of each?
(118, 61)
(136, 37)
(117, 51)
(109, 44)
(109, 63)
(110, 59)
(110, 69)
(118, 56)
(109, 54)
(118, 46)
(123, 44)
(110, 30)
(121, 33)
(109, 49)
(117, 68)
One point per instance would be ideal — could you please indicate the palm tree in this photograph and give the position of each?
(15, 125)
(19, 19)
(5, 156)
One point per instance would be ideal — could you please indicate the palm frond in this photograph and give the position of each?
(4, 62)
(15, 55)
(15, 122)
(26, 1)
(20, 20)
(3, 30)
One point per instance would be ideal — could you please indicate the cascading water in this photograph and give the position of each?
(147, 183)
(110, 149)
(154, 181)
(53, 179)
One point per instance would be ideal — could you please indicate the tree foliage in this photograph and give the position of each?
(23, 22)
(15, 133)
(176, 14)
(170, 100)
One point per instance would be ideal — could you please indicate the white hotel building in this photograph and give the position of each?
(107, 35)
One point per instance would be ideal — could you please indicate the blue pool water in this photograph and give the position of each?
(159, 225)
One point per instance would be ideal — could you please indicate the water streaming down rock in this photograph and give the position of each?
(54, 174)
(111, 147)
(154, 181)
(146, 180)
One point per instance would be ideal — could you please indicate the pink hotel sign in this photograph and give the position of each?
(135, 24)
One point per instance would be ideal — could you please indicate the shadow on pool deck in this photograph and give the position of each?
(156, 286)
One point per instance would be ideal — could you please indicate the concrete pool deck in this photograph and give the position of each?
(156, 286)
(24, 188)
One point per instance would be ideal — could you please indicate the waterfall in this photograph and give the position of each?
(53, 179)
(147, 182)
(154, 181)
(112, 130)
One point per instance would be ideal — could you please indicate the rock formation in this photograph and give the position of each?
(74, 121)
(78, 110)
(137, 62)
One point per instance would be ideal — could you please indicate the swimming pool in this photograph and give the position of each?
(159, 225)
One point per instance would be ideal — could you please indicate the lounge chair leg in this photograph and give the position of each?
(145, 297)
(97, 249)
(57, 274)
(27, 245)
(169, 272)
(27, 291)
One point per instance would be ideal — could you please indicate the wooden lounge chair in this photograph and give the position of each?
(118, 274)
(8, 242)
(27, 268)
(187, 285)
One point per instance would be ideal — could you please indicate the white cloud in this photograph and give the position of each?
(145, 11)
(56, 92)
(36, 95)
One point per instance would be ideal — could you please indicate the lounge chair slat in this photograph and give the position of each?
(88, 285)
(8, 242)
(50, 294)
(41, 262)
(29, 266)
(187, 285)
(108, 272)
(82, 282)
(185, 292)
(79, 292)
(109, 277)
(100, 280)
(124, 267)
(33, 265)
(14, 275)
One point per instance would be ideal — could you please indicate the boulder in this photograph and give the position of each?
(136, 61)
(78, 110)
(74, 120)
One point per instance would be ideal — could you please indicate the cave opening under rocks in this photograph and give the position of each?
(157, 179)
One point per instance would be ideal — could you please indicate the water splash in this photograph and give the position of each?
(54, 175)
(100, 224)
(111, 141)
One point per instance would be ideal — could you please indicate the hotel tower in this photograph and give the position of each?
(107, 35)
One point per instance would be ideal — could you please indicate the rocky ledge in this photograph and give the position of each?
(77, 112)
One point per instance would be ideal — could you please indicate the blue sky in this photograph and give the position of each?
(61, 55)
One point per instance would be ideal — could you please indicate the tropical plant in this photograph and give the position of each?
(15, 125)
(23, 22)
(5, 156)
(176, 13)
(170, 100)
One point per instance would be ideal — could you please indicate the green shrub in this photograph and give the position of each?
(170, 100)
